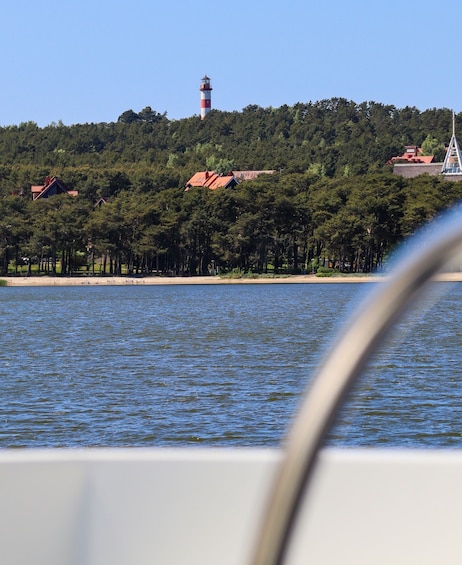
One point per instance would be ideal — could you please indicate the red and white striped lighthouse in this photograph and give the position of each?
(206, 96)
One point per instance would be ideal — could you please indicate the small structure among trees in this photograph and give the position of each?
(414, 161)
(53, 185)
(211, 180)
(412, 154)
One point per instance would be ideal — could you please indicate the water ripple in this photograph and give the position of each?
(213, 365)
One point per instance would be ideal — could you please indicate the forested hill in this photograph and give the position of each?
(331, 201)
(331, 138)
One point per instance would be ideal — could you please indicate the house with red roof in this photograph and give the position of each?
(412, 163)
(213, 180)
(52, 186)
(412, 154)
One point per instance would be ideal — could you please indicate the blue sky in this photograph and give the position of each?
(89, 61)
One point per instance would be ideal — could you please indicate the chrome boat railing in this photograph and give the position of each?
(430, 251)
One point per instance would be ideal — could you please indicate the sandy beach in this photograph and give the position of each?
(153, 280)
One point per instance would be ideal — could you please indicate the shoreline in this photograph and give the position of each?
(24, 281)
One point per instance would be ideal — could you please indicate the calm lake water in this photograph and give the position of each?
(221, 365)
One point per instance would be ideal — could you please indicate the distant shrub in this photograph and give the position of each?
(326, 272)
(3, 282)
(235, 274)
(240, 274)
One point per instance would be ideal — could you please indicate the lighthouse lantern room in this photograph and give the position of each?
(206, 96)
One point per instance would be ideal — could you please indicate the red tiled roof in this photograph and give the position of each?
(52, 186)
(210, 180)
(213, 180)
(412, 154)
(218, 181)
(201, 179)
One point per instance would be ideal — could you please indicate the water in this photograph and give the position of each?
(412, 391)
(213, 365)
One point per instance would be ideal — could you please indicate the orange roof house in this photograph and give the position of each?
(52, 186)
(214, 180)
(211, 180)
(412, 154)
(412, 163)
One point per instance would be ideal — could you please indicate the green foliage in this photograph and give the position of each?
(277, 224)
(221, 166)
(330, 201)
(330, 138)
(431, 146)
(326, 271)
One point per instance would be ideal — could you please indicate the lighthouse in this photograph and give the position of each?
(206, 96)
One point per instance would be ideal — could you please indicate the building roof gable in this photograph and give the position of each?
(412, 154)
(222, 182)
(213, 180)
(52, 186)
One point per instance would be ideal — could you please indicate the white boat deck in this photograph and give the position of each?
(203, 507)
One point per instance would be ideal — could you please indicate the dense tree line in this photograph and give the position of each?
(333, 137)
(332, 199)
(285, 222)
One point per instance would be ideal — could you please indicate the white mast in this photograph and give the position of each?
(453, 161)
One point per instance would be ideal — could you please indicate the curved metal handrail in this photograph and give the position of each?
(339, 371)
